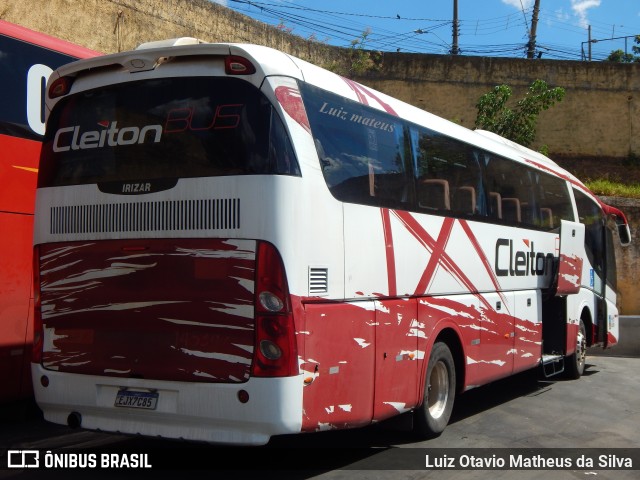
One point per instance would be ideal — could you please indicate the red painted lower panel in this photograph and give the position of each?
(338, 365)
(366, 361)
(569, 275)
(397, 357)
(528, 345)
(163, 309)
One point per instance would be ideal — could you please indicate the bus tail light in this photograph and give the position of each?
(60, 87)
(38, 330)
(234, 65)
(275, 353)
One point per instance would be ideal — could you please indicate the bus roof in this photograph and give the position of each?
(268, 61)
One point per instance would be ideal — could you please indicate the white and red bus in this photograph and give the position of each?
(232, 243)
(26, 61)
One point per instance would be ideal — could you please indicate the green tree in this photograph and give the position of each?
(363, 60)
(621, 57)
(518, 123)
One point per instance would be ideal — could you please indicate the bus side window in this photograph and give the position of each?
(464, 200)
(511, 210)
(433, 194)
(511, 197)
(554, 202)
(546, 215)
(448, 175)
(495, 205)
(389, 173)
(282, 159)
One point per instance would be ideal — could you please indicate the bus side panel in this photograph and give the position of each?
(15, 289)
(572, 321)
(528, 331)
(613, 323)
(397, 357)
(339, 365)
(460, 313)
(497, 332)
(486, 328)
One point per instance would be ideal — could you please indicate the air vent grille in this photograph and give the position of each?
(209, 214)
(318, 280)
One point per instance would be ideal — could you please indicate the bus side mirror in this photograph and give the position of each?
(615, 215)
(624, 233)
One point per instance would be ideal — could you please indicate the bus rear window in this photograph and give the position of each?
(166, 128)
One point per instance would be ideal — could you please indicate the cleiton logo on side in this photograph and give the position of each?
(71, 138)
(510, 262)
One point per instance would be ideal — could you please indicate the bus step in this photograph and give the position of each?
(552, 365)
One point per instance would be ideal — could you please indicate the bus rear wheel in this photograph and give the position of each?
(433, 415)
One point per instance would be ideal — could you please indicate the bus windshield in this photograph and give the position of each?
(166, 128)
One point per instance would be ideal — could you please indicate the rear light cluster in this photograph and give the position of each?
(234, 65)
(275, 348)
(60, 87)
(38, 332)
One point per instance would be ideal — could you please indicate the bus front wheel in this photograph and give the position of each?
(576, 362)
(433, 415)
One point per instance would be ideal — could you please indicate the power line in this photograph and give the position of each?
(430, 35)
(308, 9)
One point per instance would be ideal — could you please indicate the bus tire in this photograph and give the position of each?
(433, 415)
(575, 363)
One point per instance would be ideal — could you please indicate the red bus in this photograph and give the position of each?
(27, 58)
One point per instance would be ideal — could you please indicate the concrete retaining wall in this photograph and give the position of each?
(599, 116)
(629, 344)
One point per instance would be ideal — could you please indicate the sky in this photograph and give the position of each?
(498, 28)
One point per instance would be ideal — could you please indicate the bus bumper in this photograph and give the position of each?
(209, 412)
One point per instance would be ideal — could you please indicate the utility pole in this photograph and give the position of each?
(532, 35)
(454, 49)
(590, 42)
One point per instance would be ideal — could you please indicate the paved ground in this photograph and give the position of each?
(601, 410)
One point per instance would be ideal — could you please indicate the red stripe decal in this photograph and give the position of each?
(434, 260)
(412, 225)
(391, 257)
(483, 258)
(361, 98)
(363, 92)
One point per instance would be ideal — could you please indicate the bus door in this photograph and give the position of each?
(571, 255)
(600, 265)
(608, 330)
(600, 288)
(570, 258)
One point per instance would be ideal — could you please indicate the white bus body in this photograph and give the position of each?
(232, 243)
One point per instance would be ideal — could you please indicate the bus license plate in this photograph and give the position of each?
(133, 399)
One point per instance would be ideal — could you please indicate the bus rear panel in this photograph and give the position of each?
(162, 303)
